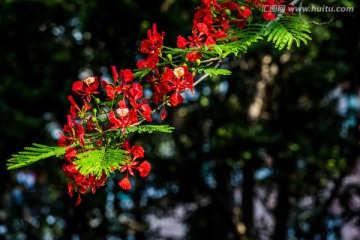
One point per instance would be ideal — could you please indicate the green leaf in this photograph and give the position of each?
(99, 161)
(214, 72)
(286, 31)
(142, 73)
(33, 154)
(150, 128)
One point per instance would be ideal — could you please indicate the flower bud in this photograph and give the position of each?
(198, 61)
(97, 101)
(228, 12)
(169, 57)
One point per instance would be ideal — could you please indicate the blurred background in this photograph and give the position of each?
(270, 152)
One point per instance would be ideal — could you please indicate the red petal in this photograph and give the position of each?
(209, 41)
(163, 114)
(114, 73)
(136, 91)
(144, 169)
(269, 16)
(137, 151)
(125, 183)
(110, 91)
(181, 42)
(114, 120)
(70, 188)
(126, 75)
(78, 201)
(176, 99)
(141, 64)
(133, 117)
(104, 83)
(77, 86)
(202, 28)
(70, 154)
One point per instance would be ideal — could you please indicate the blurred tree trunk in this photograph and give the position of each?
(282, 210)
(248, 192)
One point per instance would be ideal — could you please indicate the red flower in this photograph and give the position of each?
(113, 89)
(137, 151)
(70, 154)
(149, 62)
(269, 16)
(72, 132)
(245, 12)
(126, 116)
(86, 87)
(163, 114)
(136, 91)
(181, 42)
(126, 75)
(144, 168)
(75, 109)
(125, 183)
(202, 28)
(81, 183)
(153, 43)
(142, 108)
(192, 56)
(209, 41)
(176, 98)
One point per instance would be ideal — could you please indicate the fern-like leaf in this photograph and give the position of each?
(287, 30)
(215, 72)
(150, 128)
(33, 154)
(245, 38)
(99, 161)
(142, 73)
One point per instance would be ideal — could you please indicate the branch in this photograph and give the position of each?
(294, 2)
(211, 61)
(313, 22)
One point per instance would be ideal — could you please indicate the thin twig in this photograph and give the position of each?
(280, 14)
(206, 75)
(313, 22)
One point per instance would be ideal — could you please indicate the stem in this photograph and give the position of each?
(294, 2)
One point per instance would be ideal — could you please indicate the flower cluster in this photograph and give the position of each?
(212, 22)
(109, 109)
(85, 129)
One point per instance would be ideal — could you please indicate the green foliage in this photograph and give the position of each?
(215, 72)
(287, 30)
(150, 128)
(245, 38)
(99, 161)
(33, 154)
(142, 73)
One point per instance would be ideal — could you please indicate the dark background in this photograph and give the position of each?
(260, 154)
